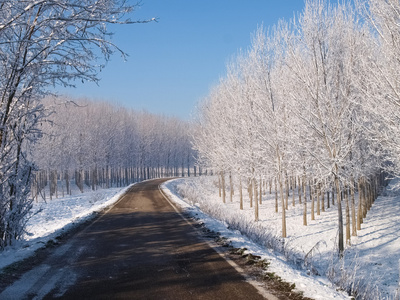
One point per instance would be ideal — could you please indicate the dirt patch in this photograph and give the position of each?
(254, 267)
(257, 269)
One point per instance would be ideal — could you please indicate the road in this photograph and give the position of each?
(139, 249)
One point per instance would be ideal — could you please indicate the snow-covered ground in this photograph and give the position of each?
(371, 264)
(51, 218)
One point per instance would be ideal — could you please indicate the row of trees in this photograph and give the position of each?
(313, 101)
(101, 145)
(42, 44)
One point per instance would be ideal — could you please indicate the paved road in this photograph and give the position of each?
(139, 249)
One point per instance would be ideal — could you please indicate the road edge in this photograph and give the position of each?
(220, 252)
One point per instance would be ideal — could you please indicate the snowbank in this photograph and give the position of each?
(51, 218)
(308, 257)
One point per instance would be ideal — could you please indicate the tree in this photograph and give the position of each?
(301, 103)
(382, 89)
(42, 43)
(327, 57)
(100, 145)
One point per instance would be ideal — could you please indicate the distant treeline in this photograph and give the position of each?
(102, 145)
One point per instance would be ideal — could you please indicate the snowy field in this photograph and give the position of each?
(51, 218)
(371, 262)
(308, 256)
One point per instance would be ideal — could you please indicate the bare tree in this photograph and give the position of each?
(327, 62)
(42, 43)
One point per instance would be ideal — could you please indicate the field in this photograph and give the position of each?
(370, 267)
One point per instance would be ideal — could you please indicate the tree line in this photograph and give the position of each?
(99, 144)
(312, 106)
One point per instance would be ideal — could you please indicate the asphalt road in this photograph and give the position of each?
(140, 249)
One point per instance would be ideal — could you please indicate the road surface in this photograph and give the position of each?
(139, 249)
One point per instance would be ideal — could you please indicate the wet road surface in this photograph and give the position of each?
(140, 249)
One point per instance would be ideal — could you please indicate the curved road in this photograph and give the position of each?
(139, 249)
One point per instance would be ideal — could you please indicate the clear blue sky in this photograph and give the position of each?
(175, 62)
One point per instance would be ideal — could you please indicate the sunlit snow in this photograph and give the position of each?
(371, 262)
(372, 259)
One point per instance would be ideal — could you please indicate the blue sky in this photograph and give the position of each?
(173, 63)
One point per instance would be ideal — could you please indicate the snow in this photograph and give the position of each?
(52, 218)
(377, 246)
(371, 262)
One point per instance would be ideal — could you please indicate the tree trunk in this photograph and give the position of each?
(318, 192)
(62, 183)
(283, 206)
(255, 200)
(276, 197)
(250, 190)
(50, 181)
(299, 189)
(340, 215)
(223, 187)
(219, 185)
(93, 179)
(323, 196)
(312, 195)
(270, 186)
(264, 186)
(365, 198)
(305, 201)
(293, 188)
(240, 193)
(286, 191)
(353, 210)
(231, 187)
(327, 199)
(370, 195)
(346, 197)
(360, 197)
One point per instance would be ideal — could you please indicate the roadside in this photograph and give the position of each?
(315, 287)
(52, 219)
(139, 247)
(255, 267)
(252, 266)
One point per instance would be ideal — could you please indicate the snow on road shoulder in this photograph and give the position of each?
(316, 287)
(54, 217)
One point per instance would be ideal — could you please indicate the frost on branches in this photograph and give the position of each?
(313, 105)
(100, 145)
(42, 43)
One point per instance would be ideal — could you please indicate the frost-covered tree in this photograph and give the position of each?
(42, 43)
(298, 104)
(382, 88)
(327, 64)
(97, 144)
